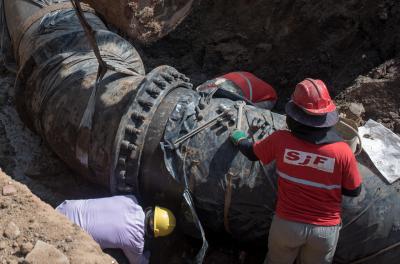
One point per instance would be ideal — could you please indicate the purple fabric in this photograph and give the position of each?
(114, 222)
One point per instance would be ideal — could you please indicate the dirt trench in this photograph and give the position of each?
(352, 45)
(282, 41)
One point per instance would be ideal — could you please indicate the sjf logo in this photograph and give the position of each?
(307, 159)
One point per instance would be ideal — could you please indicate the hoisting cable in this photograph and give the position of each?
(85, 125)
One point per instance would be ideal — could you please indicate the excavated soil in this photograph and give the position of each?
(379, 93)
(353, 45)
(283, 41)
(26, 224)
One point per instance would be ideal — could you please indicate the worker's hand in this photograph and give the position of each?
(237, 135)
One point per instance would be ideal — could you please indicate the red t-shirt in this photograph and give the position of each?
(253, 88)
(310, 177)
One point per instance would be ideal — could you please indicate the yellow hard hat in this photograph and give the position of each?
(164, 221)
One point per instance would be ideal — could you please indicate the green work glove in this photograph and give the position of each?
(237, 136)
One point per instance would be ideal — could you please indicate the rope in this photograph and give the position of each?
(85, 126)
(198, 259)
(358, 136)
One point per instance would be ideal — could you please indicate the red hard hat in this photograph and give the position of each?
(313, 97)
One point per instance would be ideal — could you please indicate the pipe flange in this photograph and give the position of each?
(152, 90)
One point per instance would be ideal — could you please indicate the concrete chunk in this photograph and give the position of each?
(44, 253)
(12, 231)
(9, 190)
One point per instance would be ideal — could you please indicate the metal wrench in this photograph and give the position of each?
(240, 105)
(207, 124)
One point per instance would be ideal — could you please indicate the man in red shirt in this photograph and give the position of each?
(315, 169)
(246, 85)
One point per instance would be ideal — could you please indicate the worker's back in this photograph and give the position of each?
(114, 222)
(311, 176)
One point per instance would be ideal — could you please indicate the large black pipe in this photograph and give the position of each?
(370, 223)
(57, 70)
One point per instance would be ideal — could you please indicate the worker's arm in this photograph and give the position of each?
(351, 181)
(352, 193)
(239, 138)
(246, 148)
(263, 150)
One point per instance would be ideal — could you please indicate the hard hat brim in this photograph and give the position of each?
(330, 108)
(328, 120)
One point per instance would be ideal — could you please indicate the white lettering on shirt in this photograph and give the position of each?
(307, 159)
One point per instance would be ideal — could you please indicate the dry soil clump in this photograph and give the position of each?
(31, 232)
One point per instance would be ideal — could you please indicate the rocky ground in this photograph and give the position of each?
(353, 45)
(33, 233)
(282, 41)
(379, 93)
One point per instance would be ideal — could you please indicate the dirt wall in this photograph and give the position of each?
(379, 93)
(32, 232)
(282, 41)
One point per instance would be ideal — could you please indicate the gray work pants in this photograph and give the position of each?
(309, 244)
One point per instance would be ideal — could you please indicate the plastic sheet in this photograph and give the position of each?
(383, 147)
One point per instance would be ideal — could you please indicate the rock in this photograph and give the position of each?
(396, 126)
(383, 15)
(357, 109)
(9, 190)
(25, 248)
(3, 205)
(3, 245)
(64, 248)
(393, 115)
(263, 48)
(12, 231)
(44, 253)
(68, 239)
(34, 225)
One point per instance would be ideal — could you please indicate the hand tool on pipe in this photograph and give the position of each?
(200, 128)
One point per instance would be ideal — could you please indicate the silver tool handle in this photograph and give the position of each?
(240, 106)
